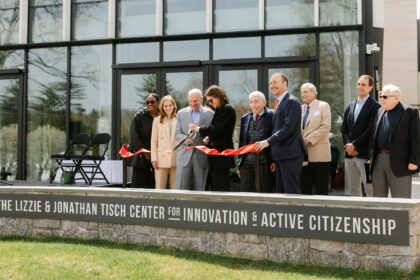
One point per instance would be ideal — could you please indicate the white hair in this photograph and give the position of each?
(195, 91)
(392, 89)
(310, 87)
(258, 94)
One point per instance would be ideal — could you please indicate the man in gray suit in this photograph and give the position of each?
(192, 162)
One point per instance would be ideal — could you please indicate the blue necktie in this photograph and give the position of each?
(305, 117)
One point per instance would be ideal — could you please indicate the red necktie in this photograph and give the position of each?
(256, 121)
(275, 106)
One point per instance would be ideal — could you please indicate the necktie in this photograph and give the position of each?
(357, 110)
(256, 121)
(305, 117)
(275, 106)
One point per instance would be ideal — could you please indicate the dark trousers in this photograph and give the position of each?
(143, 177)
(316, 174)
(288, 175)
(248, 181)
(220, 180)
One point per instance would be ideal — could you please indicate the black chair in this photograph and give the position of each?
(78, 146)
(88, 165)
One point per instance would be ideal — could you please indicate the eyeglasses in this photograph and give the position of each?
(150, 102)
(386, 96)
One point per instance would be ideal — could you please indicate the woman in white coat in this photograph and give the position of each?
(163, 139)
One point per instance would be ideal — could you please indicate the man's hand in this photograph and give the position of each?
(239, 173)
(272, 167)
(412, 166)
(147, 156)
(349, 148)
(194, 126)
(206, 140)
(190, 140)
(155, 165)
(306, 141)
(261, 145)
(355, 153)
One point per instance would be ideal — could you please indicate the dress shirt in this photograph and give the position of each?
(195, 115)
(359, 106)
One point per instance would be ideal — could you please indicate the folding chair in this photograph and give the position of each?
(88, 165)
(78, 146)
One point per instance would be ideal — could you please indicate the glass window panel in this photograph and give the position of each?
(186, 50)
(11, 59)
(9, 108)
(229, 48)
(179, 84)
(339, 72)
(290, 45)
(289, 13)
(337, 12)
(91, 84)
(9, 22)
(138, 52)
(136, 18)
(235, 15)
(90, 19)
(185, 16)
(46, 17)
(134, 91)
(46, 113)
(238, 84)
(296, 76)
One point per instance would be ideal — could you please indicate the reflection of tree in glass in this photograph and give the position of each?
(181, 95)
(147, 86)
(9, 104)
(46, 17)
(8, 148)
(9, 21)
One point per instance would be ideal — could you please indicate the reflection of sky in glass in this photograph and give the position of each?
(238, 84)
(185, 16)
(337, 12)
(290, 45)
(136, 18)
(186, 50)
(228, 48)
(138, 52)
(179, 84)
(9, 22)
(289, 13)
(235, 15)
(45, 18)
(90, 19)
(11, 59)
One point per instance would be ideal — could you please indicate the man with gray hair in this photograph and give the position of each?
(192, 162)
(254, 168)
(394, 148)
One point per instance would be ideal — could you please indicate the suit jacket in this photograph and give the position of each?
(267, 116)
(317, 127)
(183, 119)
(358, 131)
(163, 140)
(404, 140)
(286, 141)
(220, 132)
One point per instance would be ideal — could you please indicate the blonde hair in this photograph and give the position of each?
(162, 112)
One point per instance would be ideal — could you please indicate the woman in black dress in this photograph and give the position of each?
(140, 134)
(220, 133)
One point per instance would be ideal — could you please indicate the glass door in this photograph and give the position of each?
(11, 119)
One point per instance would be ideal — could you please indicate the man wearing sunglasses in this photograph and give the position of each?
(355, 131)
(394, 145)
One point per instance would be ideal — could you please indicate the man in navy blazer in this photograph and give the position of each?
(286, 143)
(254, 168)
(355, 130)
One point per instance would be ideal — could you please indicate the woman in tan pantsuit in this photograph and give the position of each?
(163, 139)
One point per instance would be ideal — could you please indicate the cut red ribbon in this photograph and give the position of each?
(126, 154)
(229, 152)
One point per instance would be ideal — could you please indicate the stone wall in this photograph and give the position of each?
(279, 249)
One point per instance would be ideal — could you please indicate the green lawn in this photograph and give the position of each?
(59, 258)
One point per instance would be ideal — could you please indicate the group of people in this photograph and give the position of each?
(292, 139)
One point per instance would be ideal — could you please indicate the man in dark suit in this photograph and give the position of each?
(394, 145)
(355, 131)
(254, 168)
(286, 143)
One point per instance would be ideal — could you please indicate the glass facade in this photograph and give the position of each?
(46, 126)
(91, 95)
(164, 47)
(89, 19)
(136, 18)
(184, 16)
(45, 18)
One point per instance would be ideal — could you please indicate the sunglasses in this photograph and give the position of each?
(386, 96)
(209, 100)
(150, 102)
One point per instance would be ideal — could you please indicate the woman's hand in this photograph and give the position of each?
(155, 165)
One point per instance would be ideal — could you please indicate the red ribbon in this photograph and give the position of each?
(229, 152)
